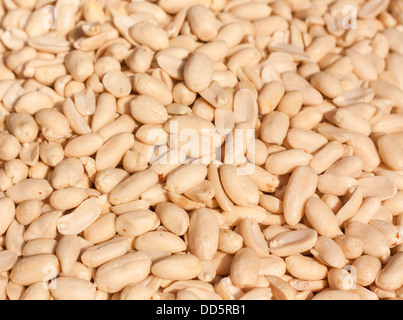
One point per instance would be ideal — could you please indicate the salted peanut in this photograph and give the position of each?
(336, 295)
(328, 252)
(8, 259)
(60, 180)
(240, 188)
(294, 82)
(116, 274)
(69, 198)
(305, 268)
(39, 246)
(84, 145)
(386, 189)
(67, 251)
(150, 86)
(131, 206)
(321, 218)
(366, 267)
(29, 189)
(270, 96)
(375, 242)
(202, 22)
(389, 230)
(335, 184)
(284, 162)
(29, 270)
(136, 223)
(293, 242)
(36, 291)
(253, 237)
(244, 268)
(9, 146)
(22, 126)
(51, 153)
(301, 185)
(79, 64)
(352, 247)
(79, 219)
(69, 288)
(177, 267)
(97, 255)
(110, 154)
(326, 83)
(390, 152)
(132, 187)
(148, 110)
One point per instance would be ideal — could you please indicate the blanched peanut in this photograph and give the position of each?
(9, 146)
(35, 268)
(60, 180)
(203, 234)
(198, 72)
(136, 223)
(177, 267)
(116, 274)
(79, 65)
(69, 288)
(245, 268)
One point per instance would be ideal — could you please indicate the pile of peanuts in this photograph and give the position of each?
(201, 149)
